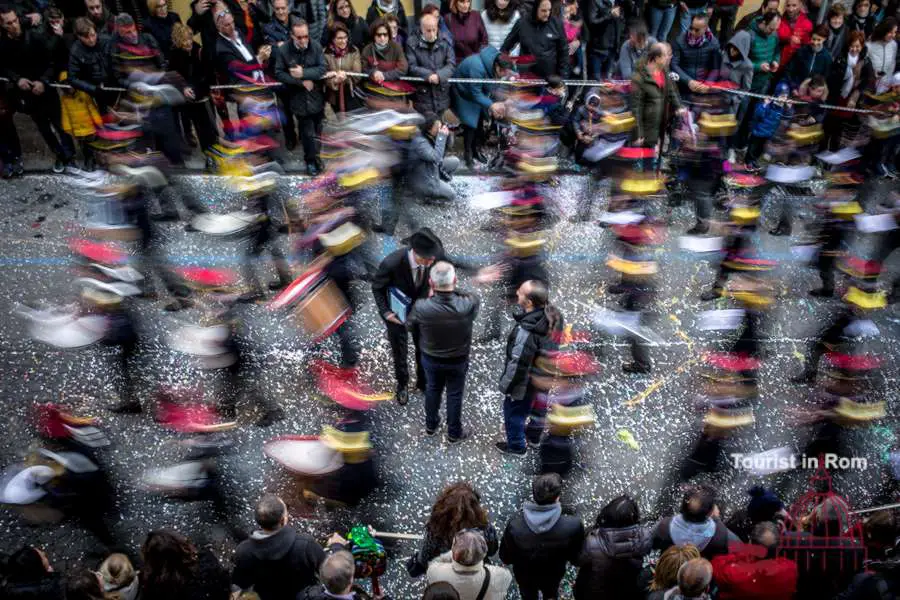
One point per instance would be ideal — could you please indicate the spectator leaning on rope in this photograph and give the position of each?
(341, 57)
(89, 69)
(696, 56)
(383, 59)
(431, 58)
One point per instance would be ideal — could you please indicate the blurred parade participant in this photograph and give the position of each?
(768, 117)
(738, 248)
(832, 231)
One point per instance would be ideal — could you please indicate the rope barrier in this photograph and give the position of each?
(509, 82)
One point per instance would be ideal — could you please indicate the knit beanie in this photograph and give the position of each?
(763, 505)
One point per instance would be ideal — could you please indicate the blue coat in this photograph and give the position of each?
(471, 99)
(767, 118)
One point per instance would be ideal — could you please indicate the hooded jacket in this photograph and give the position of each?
(763, 49)
(767, 118)
(711, 536)
(648, 103)
(806, 63)
(738, 71)
(546, 41)
(610, 563)
(277, 566)
(425, 58)
(539, 541)
(470, 100)
(526, 339)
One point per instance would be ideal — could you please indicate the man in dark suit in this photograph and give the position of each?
(407, 269)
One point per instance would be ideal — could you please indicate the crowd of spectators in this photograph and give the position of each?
(322, 53)
(759, 552)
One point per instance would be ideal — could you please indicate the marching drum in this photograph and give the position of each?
(107, 218)
(318, 303)
(63, 327)
(207, 345)
(235, 224)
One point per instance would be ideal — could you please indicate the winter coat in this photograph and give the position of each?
(470, 100)
(695, 62)
(424, 161)
(79, 115)
(391, 62)
(763, 49)
(279, 565)
(711, 537)
(629, 56)
(350, 62)
(746, 575)
(143, 56)
(50, 587)
(445, 320)
(767, 119)
(805, 63)
(210, 582)
(395, 271)
(880, 582)
(27, 57)
(539, 541)
(275, 31)
(425, 59)
(359, 32)
(648, 102)
(469, 34)
(89, 67)
(467, 581)
(607, 32)
(527, 338)
(884, 61)
(190, 66)
(205, 25)
(801, 27)
(497, 30)
(433, 547)
(866, 25)
(610, 563)
(161, 30)
(304, 102)
(863, 82)
(738, 71)
(837, 39)
(376, 12)
(545, 41)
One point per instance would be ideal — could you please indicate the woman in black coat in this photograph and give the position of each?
(851, 75)
(159, 24)
(613, 554)
(342, 11)
(175, 570)
(27, 575)
(185, 59)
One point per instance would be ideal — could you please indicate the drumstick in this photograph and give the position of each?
(397, 536)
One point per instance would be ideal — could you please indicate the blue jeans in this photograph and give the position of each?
(601, 65)
(661, 20)
(515, 413)
(688, 16)
(441, 374)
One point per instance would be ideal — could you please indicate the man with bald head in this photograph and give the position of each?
(694, 578)
(430, 57)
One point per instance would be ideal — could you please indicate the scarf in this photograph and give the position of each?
(849, 75)
(382, 47)
(386, 7)
(697, 41)
(337, 52)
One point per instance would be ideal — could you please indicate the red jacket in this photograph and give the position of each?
(745, 575)
(802, 28)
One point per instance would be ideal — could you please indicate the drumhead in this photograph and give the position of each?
(304, 455)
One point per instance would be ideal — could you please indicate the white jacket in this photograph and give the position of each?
(468, 580)
(497, 31)
(884, 61)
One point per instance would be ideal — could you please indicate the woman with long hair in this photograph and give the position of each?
(882, 46)
(341, 57)
(467, 28)
(175, 570)
(498, 17)
(851, 75)
(85, 585)
(458, 507)
(342, 11)
(613, 553)
(27, 574)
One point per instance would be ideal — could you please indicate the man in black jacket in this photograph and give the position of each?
(529, 335)
(300, 66)
(407, 270)
(445, 321)
(698, 524)
(540, 540)
(89, 69)
(277, 562)
(26, 61)
(541, 35)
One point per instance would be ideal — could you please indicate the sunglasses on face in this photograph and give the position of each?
(381, 34)
(302, 37)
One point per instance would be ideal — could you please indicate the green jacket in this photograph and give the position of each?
(763, 49)
(648, 102)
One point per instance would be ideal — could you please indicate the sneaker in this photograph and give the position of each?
(402, 396)
(19, 168)
(505, 449)
(7, 171)
(432, 432)
(466, 434)
(59, 166)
